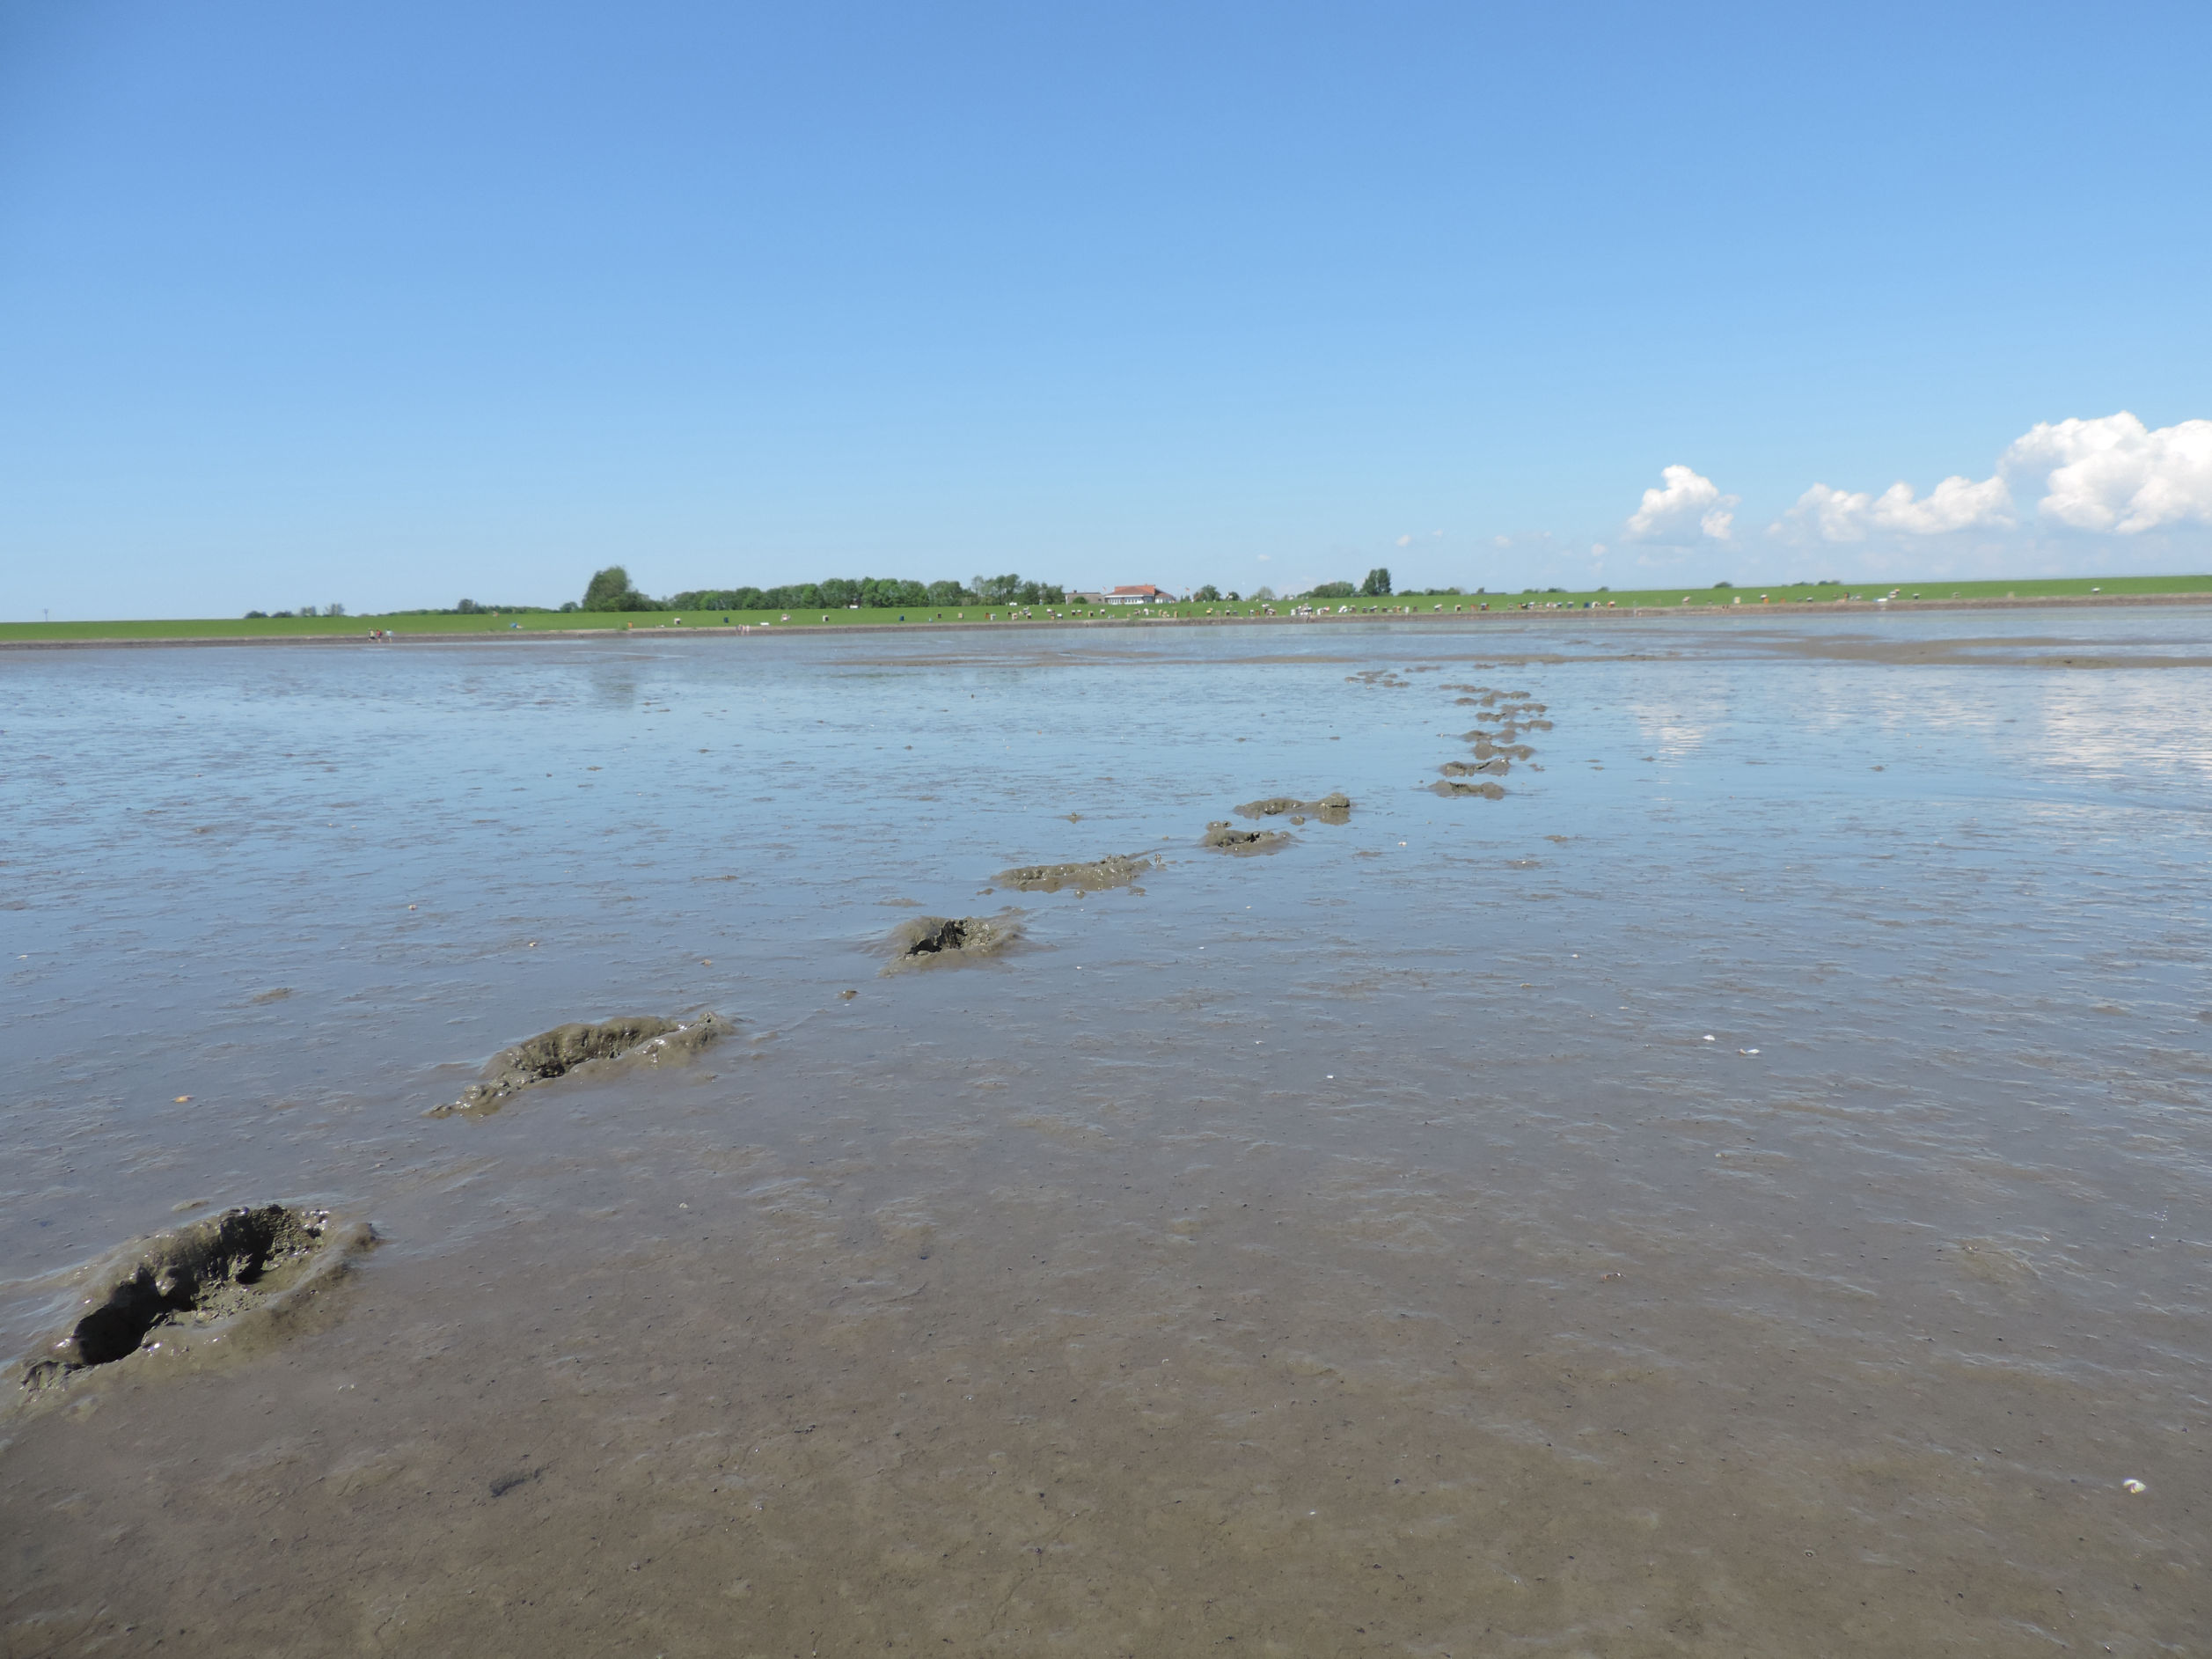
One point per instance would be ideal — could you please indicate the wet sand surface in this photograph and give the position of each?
(1743, 1191)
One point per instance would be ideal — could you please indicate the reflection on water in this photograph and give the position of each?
(1743, 1190)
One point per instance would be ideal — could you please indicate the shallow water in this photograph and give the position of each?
(1743, 1191)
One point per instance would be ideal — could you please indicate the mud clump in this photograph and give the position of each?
(1100, 874)
(950, 941)
(1453, 787)
(1496, 764)
(1330, 809)
(1485, 746)
(205, 1279)
(1225, 837)
(639, 1037)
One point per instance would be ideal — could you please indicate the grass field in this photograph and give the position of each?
(1670, 600)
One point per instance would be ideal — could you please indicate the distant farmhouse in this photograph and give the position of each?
(1143, 593)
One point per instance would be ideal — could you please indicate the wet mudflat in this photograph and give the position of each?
(1745, 1190)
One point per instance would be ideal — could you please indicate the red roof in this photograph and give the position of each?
(1141, 587)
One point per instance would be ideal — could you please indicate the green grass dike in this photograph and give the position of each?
(1831, 597)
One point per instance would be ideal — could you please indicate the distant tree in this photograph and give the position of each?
(307, 610)
(568, 606)
(1723, 584)
(467, 607)
(1262, 594)
(1207, 594)
(1052, 593)
(334, 610)
(249, 615)
(1377, 586)
(1233, 598)
(998, 590)
(609, 589)
(888, 593)
(1334, 591)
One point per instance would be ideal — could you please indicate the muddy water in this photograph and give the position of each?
(1743, 1191)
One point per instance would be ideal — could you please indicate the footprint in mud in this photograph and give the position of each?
(1330, 809)
(1485, 746)
(638, 1039)
(1454, 786)
(1223, 837)
(232, 1275)
(933, 941)
(1114, 870)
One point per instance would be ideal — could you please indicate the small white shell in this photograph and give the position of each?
(2136, 1487)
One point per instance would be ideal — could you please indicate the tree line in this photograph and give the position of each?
(612, 590)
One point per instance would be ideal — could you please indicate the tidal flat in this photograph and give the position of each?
(1737, 1184)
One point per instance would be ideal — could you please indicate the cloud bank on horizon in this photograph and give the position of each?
(2110, 475)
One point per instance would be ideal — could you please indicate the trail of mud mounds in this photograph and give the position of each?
(1224, 837)
(1114, 870)
(636, 1038)
(1334, 808)
(238, 1276)
(1493, 744)
(945, 942)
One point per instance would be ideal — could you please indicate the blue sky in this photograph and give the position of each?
(391, 305)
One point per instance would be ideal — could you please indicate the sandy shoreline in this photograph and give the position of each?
(1701, 612)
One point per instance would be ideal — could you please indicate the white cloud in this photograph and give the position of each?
(1956, 503)
(1687, 505)
(1405, 541)
(2113, 473)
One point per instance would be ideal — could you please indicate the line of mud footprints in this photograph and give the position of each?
(1494, 747)
(951, 941)
(243, 1277)
(1495, 744)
